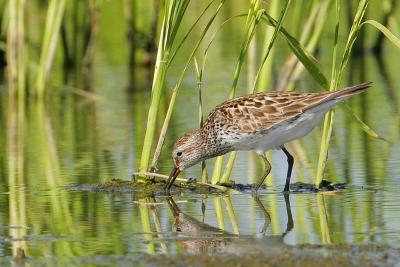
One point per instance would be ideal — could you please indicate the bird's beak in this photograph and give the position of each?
(175, 172)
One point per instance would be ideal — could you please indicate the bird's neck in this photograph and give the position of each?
(213, 145)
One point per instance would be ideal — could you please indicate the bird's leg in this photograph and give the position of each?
(267, 217)
(290, 223)
(267, 170)
(290, 161)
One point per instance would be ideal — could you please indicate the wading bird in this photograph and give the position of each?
(258, 122)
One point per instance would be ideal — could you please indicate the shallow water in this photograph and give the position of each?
(77, 225)
(74, 140)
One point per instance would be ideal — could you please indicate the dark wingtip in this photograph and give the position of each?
(352, 90)
(361, 86)
(366, 84)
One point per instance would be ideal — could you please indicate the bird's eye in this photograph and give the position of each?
(179, 154)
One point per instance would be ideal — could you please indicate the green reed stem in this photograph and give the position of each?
(252, 20)
(272, 41)
(172, 101)
(199, 79)
(310, 36)
(229, 168)
(55, 14)
(174, 11)
(16, 51)
(185, 38)
(158, 84)
(308, 61)
(232, 157)
(335, 79)
(266, 69)
(164, 128)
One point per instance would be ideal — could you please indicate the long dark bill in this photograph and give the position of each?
(175, 172)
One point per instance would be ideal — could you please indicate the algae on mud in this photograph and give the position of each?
(148, 188)
(157, 186)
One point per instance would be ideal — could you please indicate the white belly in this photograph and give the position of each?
(276, 137)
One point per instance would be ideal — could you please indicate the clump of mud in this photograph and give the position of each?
(156, 187)
(325, 186)
(119, 186)
(142, 189)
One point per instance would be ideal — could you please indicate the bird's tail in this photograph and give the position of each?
(347, 92)
(336, 97)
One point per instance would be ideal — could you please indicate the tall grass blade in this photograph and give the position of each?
(250, 30)
(164, 129)
(393, 38)
(174, 11)
(308, 61)
(266, 69)
(189, 32)
(328, 123)
(16, 50)
(199, 79)
(271, 43)
(171, 104)
(335, 46)
(253, 18)
(367, 129)
(55, 14)
(310, 36)
(232, 156)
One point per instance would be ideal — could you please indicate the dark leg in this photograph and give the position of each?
(267, 170)
(290, 161)
(290, 223)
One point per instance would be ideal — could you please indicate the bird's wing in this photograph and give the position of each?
(262, 111)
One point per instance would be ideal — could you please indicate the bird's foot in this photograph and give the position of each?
(286, 190)
(167, 190)
(254, 191)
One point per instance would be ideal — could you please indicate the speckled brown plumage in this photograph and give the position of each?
(256, 112)
(257, 122)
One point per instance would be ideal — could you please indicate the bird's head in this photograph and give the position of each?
(190, 149)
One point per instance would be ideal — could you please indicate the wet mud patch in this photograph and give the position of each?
(121, 186)
(156, 187)
(306, 255)
(325, 186)
(142, 189)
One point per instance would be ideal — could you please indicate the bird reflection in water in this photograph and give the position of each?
(198, 237)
